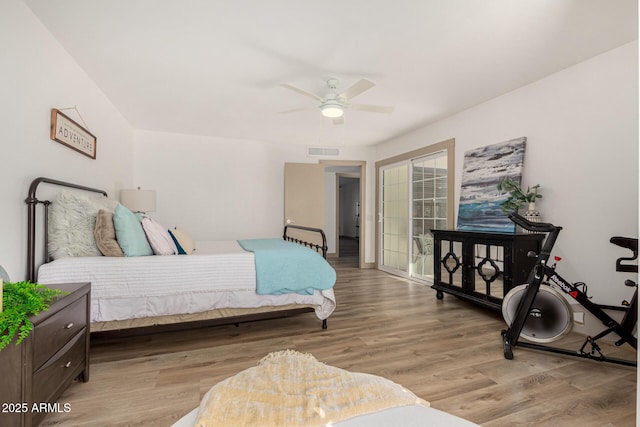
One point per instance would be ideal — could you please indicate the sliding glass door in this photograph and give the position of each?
(428, 209)
(414, 196)
(394, 219)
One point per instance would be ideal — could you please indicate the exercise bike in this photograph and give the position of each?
(539, 311)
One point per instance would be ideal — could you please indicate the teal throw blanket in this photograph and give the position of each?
(283, 267)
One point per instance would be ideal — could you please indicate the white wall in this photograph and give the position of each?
(581, 126)
(219, 188)
(38, 75)
(215, 188)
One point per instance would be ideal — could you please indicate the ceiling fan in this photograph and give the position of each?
(333, 104)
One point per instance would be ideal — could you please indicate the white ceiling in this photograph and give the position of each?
(214, 67)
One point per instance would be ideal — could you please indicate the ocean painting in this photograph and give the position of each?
(480, 199)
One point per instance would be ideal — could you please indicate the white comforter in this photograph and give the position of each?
(217, 275)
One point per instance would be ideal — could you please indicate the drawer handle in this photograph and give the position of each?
(68, 364)
(68, 326)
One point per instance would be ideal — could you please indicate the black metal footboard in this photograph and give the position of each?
(320, 248)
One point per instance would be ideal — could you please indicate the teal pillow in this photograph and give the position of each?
(129, 233)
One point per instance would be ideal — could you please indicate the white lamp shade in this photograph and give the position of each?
(139, 200)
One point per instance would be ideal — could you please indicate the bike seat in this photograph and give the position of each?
(628, 243)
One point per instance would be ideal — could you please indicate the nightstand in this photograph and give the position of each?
(37, 371)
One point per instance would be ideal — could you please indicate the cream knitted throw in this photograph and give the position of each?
(288, 388)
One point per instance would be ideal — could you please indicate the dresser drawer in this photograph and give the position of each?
(50, 335)
(60, 370)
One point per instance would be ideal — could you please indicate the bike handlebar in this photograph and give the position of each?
(542, 227)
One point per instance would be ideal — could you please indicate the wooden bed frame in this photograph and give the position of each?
(32, 201)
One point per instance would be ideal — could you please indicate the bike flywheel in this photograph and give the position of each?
(550, 316)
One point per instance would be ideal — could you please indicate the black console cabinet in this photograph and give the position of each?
(481, 267)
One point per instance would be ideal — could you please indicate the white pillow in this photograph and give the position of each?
(72, 220)
(158, 237)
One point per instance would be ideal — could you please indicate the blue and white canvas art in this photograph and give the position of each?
(480, 199)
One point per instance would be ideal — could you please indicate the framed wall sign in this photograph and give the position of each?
(69, 133)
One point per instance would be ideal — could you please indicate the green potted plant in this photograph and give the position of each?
(19, 301)
(517, 197)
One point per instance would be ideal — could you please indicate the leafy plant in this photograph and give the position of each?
(517, 197)
(19, 301)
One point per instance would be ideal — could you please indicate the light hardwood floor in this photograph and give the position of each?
(448, 352)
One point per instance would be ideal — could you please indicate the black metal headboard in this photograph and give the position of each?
(32, 201)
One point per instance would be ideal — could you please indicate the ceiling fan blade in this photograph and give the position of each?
(294, 110)
(372, 108)
(338, 120)
(357, 88)
(301, 91)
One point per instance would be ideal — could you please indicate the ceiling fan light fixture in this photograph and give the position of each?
(332, 110)
(333, 104)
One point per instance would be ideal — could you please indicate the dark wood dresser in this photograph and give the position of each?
(36, 372)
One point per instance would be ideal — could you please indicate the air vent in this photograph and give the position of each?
(323, 151)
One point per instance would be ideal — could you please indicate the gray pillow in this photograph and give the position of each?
(105, 234)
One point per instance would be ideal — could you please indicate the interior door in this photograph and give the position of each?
(304, 197)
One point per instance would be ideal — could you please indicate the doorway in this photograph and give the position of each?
(348, 215)
(334, 169)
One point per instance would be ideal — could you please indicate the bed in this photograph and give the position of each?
(289, 388)
(218, 282)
